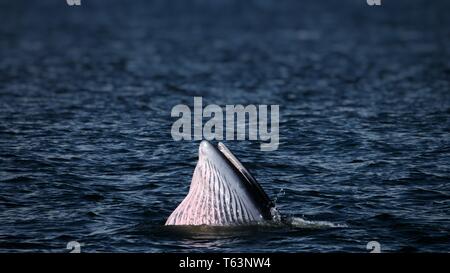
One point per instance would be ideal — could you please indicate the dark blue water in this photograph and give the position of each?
(86, 152)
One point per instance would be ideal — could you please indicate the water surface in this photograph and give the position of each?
(86, 93)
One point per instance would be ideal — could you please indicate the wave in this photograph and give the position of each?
(298, 222)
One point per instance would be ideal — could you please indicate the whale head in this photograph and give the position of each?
(222, 192)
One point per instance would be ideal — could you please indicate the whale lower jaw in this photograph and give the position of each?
(222, 193)
(213, 201)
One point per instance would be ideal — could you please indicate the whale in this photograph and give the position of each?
(222, 193)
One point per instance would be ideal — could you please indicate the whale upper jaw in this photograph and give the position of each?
(222, 192)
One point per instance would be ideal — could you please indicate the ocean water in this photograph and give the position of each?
(86, 92)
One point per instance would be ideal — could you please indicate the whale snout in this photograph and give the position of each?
(208, 151)
(204, 148)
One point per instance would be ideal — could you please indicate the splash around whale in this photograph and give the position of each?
(222, 193)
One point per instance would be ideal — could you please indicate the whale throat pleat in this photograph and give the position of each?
(213, 200)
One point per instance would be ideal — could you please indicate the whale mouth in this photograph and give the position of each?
(252, 185)
(222, 192)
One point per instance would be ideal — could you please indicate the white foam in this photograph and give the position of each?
(302, 223)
